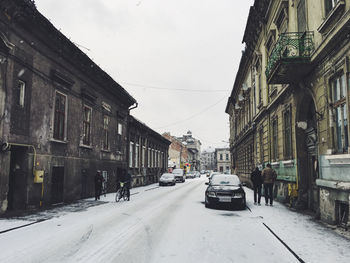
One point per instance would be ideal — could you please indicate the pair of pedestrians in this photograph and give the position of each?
(266, 177)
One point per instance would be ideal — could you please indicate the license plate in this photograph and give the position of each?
(225, 199)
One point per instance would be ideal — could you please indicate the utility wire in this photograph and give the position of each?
(195, 115)
(175, 89)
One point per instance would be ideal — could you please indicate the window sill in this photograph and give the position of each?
(331, 17)
(289, 163)
(85, 146)
(105, 150)
(58, 141)
(337, 159)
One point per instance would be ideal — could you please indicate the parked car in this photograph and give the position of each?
(190, 175)
(167, 179)
(179, 175)
(225, 189)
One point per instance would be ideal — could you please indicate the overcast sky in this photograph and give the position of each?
(177, 58)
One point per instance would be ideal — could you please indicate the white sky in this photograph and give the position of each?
(160, 50)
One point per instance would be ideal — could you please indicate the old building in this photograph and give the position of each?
(290, 102)
(208, 160)
(223, 160)
(61, 116)
(178, 152)
(148, 153)
(194, 147)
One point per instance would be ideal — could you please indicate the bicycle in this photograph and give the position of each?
(121, 193)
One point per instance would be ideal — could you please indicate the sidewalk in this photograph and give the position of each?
(16, 219)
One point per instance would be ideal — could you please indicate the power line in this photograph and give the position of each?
(175, 89)
(195, 115)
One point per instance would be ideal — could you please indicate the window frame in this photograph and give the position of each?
(87, 124)
(106, 133)
(287, 131)
(340, 137)
(274, 139)
(57, 113)
(21, 93)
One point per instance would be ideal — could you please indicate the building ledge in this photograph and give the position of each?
(289, 163)
(336, 159)
(58, 141)
(345, 186)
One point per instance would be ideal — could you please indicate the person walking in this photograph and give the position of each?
(257, 181)
(269, 176)
(98, 185)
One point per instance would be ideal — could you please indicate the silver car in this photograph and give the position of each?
(167, 179)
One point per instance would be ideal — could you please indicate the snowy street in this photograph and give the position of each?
(168, 224)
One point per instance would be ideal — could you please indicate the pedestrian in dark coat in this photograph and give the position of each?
(269, 175)
(257, 181)
(98, 185)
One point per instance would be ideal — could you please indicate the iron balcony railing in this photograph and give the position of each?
(291, 47)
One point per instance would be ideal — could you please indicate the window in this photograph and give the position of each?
(287, 125)
(143, 156)
(120, 129)
(226, 156)
(106, 121)
(261, 142)
(274, 139)
(131, 152)
(149, 157)
(301, 13)
(221, 169)
(21, 93)
(338, 90)
(60, 116)
(137, 157)
(220, 156)
(87, 126)
(329, 5)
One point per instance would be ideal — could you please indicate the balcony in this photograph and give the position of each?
(290, 58)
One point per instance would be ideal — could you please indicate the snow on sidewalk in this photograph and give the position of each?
(309, 239)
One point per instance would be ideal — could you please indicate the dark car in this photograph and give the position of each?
(225, 189)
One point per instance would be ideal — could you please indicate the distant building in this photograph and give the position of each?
(178, 152)
(223, 160)
(208, 160)
(194, 146)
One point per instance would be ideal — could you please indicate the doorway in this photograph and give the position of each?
(307, 153)
(57, 183)
(17, 190)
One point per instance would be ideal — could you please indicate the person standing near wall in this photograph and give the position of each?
(98, 185)
(257, 181)
(269, 176)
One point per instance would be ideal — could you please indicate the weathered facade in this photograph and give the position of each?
(291, 100)
(194, 147)
(148, 153)
(222, 160)
(178, 152)
(208, 160)
(61, 116)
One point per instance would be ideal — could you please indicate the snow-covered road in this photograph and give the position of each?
(169, 224)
